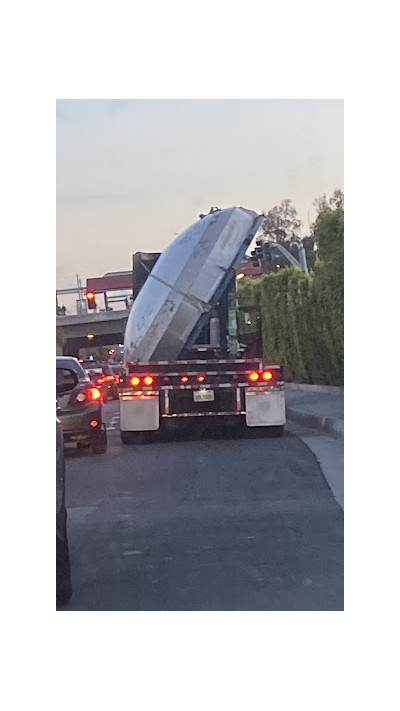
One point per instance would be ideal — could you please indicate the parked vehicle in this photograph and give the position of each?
(102, 375)
(63, 568)
(81, 407)
(181, 347)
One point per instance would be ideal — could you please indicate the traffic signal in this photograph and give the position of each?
(256, 254)
(91, 299)
(266, 251)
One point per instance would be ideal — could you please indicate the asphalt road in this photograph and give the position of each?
(208, 519)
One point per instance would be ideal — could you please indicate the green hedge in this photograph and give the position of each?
(302, 315)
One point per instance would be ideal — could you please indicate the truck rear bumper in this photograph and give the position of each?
(142, 412)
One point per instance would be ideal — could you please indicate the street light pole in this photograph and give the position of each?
(302, 255)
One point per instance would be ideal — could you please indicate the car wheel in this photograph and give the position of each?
(99, 441)
(63, 571)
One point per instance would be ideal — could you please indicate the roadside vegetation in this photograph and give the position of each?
(302, 315)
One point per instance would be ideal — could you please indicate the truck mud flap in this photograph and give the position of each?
(265, 407)
(139, 414)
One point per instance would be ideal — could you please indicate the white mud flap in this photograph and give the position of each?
(139, 414)
(265, 407)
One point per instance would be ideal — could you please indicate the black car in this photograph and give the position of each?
(102, 375)
(63, 568)
(81, 407)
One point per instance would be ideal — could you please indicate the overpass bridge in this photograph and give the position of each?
(106, 327)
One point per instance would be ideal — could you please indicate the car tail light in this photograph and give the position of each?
(135, 380)
(89, 394)
(254, 376)
(148, 380)
(94, 423)
(200, 378)
(267, 375)
(109, 377)
(184, 378)
(101, 379)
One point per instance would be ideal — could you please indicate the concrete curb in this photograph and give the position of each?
(328, 424)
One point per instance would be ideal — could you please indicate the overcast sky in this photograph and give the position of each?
(131, 174)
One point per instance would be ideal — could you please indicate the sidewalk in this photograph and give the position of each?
(315, 413)
(320, 406)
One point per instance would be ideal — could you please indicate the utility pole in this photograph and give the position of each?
(81, 305)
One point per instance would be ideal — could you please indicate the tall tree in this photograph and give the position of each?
(329, 232)
(282, 223)
(333, 203)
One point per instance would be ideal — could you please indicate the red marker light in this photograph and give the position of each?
(135, 380)
(254, 376)
(148, 380)
(184, 378)
(200, 378)
(267, 375)
(94, 423)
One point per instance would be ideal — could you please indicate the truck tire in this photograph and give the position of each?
(127, 437)
(142, 437)
(276, 430)
(99, 441)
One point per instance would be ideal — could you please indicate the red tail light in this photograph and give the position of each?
(110, 377)
(90, 394)
(184, 378)
(267, 375)
(148, 380)
(200, 378)
(254, 376)
(101, 379)
(135, 380)
(94, 423)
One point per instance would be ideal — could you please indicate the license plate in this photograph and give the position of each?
(203, 395)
